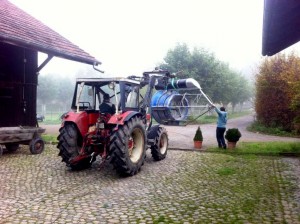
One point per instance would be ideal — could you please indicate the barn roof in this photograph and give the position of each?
(19, 28)
(281, 25)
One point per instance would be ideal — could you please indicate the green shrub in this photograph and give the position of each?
(277, 92)
(233, 135)
(198, 135)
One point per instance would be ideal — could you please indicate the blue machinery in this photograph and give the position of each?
(172, 107)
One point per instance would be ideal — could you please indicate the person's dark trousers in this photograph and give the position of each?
(220, 137)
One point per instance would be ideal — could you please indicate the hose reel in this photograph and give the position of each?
(172, 107)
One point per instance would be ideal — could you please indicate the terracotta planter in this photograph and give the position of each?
(198, 144)
(231, 145)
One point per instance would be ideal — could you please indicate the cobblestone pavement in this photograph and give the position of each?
(186, 187)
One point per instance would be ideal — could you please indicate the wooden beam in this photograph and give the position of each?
(44, 63)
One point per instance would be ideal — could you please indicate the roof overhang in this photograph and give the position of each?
(50, 52)
(21, 29)
(281, 25)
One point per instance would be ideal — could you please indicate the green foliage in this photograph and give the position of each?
(208, 119)
(218, 81)
(225, 171)
(241, 90)
(49, 138)
(295, 106)
(277, 130)
(277, 92)
(55, 92)
(264, 148)
(52, 118)
(233, 134)
(198, 135)
(53, 87)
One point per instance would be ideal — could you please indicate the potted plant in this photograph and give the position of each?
(198, 138)
(232, 135)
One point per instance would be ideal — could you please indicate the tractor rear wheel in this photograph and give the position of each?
(69, 146)
(128, 147)
(160, 147)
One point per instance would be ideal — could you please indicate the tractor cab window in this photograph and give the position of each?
(112, 91)
(131, 96)
(85, 97)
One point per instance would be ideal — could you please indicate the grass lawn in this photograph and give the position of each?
(208, 119)
(278, 131)
(263, 148)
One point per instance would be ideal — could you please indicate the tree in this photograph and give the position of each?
(217, 80)
(55, 91)
(241, 90)
(177, 60)
(64, 95)
(295, 105)
(277, 91)
(47, 88)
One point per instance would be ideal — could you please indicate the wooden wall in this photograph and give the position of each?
(18, 86)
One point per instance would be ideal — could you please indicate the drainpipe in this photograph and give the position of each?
(95, 64)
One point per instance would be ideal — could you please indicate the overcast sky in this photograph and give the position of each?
(132, 36)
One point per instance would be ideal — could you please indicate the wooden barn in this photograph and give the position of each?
(21, 38)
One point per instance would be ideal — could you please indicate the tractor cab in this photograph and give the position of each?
(90, 93)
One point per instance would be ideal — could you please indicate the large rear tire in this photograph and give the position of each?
(128, 147)
(160, 147)
(69, 146)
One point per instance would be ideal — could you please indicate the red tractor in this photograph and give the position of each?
(121, 137)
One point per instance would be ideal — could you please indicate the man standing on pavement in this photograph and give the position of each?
(221, 126)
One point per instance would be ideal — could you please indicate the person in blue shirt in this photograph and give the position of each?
(221, 126)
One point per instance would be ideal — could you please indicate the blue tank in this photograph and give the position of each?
(169, 107)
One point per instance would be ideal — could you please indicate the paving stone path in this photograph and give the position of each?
(186, 187)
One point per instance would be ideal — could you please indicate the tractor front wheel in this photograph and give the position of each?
(128, 147)
(160, 147)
